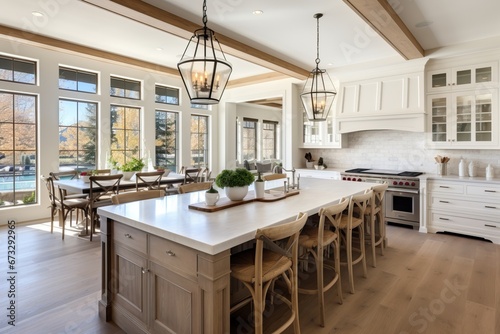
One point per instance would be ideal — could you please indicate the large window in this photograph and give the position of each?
(199, 140)
(167, 95)
(129, 89)
(269, 140)
(17, 70)
(125, 133)
(166, 144)
(81, 81)
(18, 154)
(249, 139)
(77, 134)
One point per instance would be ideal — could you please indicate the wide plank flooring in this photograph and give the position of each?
(425, 283)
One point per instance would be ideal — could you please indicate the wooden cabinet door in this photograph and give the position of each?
(175, 302)
(129, 284)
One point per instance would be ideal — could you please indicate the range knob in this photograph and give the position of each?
(344, 178)
(359, 180)
(348, 179)
(400, 183)
(394, 183)
(407, 183)
(413, 184)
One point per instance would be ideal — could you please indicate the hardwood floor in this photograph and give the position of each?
(425, 283)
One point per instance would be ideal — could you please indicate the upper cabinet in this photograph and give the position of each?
(390, 101)
(462, 106)
(321, 134)
(462, 78)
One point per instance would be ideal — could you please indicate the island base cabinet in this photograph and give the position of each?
(159, 286)
(175, 302)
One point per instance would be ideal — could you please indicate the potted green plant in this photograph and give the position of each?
(235, 182)
(259, 187)
(130, 167)
(211, 196)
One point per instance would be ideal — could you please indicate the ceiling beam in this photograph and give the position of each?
(160, 19)
(386, 22)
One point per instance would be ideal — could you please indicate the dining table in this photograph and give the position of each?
(77, 186)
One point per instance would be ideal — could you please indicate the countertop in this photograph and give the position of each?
(214, 232)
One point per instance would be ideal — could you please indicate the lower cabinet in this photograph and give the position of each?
(464, 207)
(154, 287)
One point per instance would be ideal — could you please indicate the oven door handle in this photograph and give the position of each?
(406, 191)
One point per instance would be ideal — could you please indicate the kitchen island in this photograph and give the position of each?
(166, 268)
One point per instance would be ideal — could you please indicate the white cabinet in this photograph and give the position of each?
(461, 120)
(468, 207)
(462, 77)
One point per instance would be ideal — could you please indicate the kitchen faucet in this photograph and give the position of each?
(293, 185)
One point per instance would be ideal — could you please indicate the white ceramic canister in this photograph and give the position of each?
(490, 173)
(472, 169)
(462, 168)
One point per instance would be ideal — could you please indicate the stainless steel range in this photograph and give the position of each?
(402, 199)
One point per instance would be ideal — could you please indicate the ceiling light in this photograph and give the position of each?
(258, 12)
(204, 74)
(318, 92)
(37, 14)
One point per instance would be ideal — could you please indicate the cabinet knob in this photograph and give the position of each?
(144, 271)
(444, 187)
(488, 225)
(444, 202)
(128, 236)
(443, 218)
(490, 191)
(170, 253)
(490, 207)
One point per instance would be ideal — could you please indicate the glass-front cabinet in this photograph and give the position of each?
(460, 78)
(464, 120)
(320, 134)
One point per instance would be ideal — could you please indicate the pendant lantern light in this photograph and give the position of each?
(318, 92)
(203, 66)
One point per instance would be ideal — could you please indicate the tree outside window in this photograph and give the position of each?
(199, 141)
(166, 144)
(125, 133)
(18, 149)
(77, 134)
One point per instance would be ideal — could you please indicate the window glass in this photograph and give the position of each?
(199, 141)
(167, 95)
(129, 89)
(17, 70)
(18, 149)
(166, 144)
(81, 81)
(125, 133)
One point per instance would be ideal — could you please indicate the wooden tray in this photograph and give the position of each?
(224, 202)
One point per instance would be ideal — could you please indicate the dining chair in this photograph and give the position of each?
(102, 187)
(316, 240)
(68, 205)
(205, 175)
(59, 204)
(191, 187)
(70, 175)
(191, 174)
(136, 196)
(275, 255)
(354, 220)
(274, 176)
(148, 180)
(374, 220)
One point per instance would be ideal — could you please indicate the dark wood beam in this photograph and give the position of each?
(386, 22)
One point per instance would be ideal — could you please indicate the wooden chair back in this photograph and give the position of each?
(103, 186)
(205, 175)
(331, 216)
(357, 206)
(49, 183)
(148, 180)
(191, 174)
(379, 194)
(274, 176)
(136, 196)
(70, 174)
(191, 187)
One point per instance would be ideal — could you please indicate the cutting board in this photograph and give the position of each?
(225, 203)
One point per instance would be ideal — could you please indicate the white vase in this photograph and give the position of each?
(128, 175)
(259, 189)
(211, 198)
(85, 178)
(236, 193)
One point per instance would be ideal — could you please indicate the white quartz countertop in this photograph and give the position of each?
(214, 232)
(479, 179)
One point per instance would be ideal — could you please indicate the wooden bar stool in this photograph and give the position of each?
(354, 219)
(315, 241)
(374, 219)
(258, 269)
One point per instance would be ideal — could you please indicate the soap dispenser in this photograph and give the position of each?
(462, 169)
(472, 169)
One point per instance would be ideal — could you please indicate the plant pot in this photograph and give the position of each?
(236, 193)
(128, 175)
(85, 178)
(259, 189)
(309, 164)
(211, 198)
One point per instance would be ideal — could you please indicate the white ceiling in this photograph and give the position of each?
(286, 29)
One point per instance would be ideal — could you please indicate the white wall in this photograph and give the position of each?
(399, 150)
(48, 105)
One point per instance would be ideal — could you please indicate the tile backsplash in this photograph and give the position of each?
(400, 150)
